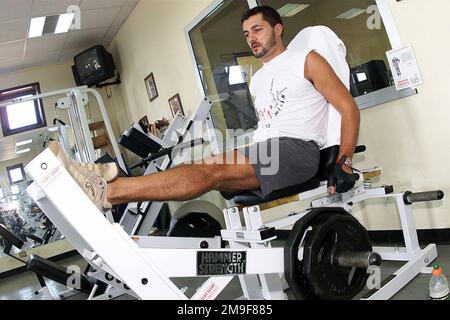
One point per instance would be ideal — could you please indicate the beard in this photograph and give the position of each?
(267, 46)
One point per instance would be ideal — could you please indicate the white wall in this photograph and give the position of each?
(407, 138)
(152, 40)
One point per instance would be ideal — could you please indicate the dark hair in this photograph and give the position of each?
(269, 14)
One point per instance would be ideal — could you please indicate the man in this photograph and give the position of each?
(291, 94)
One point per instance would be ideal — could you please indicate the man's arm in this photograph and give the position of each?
(325, 80)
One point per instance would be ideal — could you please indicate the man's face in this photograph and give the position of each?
(260, 35)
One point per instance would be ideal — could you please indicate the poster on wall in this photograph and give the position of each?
(405, 70)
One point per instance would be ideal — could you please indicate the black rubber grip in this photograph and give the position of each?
(360, 149)
(410, 197)
(358, 259)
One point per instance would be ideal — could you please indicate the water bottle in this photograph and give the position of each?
(438, 284)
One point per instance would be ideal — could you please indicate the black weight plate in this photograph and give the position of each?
(331, 235)
(292, 266)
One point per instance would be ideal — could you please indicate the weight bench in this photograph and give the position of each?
(146, 272)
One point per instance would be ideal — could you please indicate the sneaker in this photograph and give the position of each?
(108, 171)
(93, 184)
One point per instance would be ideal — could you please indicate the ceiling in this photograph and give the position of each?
(100, 21)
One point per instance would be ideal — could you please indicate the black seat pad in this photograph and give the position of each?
(249, 198)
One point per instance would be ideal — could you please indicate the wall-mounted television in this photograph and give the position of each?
(93, 66)
(368, 77)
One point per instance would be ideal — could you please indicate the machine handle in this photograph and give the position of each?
(410, 197)
(357, 259)
(360, 149)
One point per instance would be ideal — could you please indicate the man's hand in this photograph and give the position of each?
(341, 178)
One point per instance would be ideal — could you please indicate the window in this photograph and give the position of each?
(16, 173)
(221, 57)
(25, 116)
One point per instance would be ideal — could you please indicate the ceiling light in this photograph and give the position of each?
(291, 9)
(36, 27)
(350, 14)
(64, 22)
(24, 143)
(23, 151)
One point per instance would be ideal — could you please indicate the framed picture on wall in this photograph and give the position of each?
(151, 87)
(175, 105)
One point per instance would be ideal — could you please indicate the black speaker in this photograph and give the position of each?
(368, 77)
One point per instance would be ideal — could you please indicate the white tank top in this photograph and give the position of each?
(287, 104)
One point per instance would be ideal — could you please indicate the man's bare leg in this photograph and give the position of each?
(187, 181)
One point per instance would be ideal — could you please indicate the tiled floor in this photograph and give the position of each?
(24, 285)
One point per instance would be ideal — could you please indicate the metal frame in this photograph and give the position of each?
(146, 266)
(74, 101)
(138, 221)
(416, 258)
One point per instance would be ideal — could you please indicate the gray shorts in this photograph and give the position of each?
(282, 162)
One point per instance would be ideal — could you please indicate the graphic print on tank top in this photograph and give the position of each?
(267, 114)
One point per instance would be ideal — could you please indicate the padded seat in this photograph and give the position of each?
(251, 199)
(328, 158)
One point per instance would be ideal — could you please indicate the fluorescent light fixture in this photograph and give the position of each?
(15, 190)
(64, 22)
(23, 151)
(14, 207)
(350, 14)
(36, 27)
(291, 9)
(24, 143)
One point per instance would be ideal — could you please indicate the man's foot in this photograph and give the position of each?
(92, 178)
(108, 171)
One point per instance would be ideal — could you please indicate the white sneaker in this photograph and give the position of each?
(92, 178)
